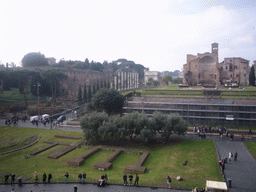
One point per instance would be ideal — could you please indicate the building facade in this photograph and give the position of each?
(234, 70)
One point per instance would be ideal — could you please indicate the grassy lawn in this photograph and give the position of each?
(174, 91)
(252, 148)
(163, 160)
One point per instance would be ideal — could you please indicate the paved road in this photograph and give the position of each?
(86, 187)
(243, 171)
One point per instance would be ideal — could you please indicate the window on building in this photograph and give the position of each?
(231, 75)
(237, 75)
(195, 66)
(244, 67)
(226, 67)
(244, 75)
(230, 67)
(235, 67)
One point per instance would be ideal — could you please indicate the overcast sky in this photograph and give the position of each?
(157, 34)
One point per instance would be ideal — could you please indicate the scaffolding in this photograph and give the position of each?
(200, 113)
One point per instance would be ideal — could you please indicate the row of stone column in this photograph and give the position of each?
(126, 80)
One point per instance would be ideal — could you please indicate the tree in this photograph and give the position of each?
(85, 98)
(252, 76)
(146, 135)
(54, 77)
(98, 86)
(177, 81)
(108, 85)
(158, 121)
(112, 130)
(174, 124)
(109, 100)
(166, 79)
(34, 60)
(94, 90)
(80, 99)
(133, 123)
(89, 93)
(90, 125)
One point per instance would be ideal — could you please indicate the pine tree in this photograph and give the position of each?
(85, 94)
(89, 93)
(105, 84)
(252, 77)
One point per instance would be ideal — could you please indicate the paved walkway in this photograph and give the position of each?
(86, 187)
(243, 171)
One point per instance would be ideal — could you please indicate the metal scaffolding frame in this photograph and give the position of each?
(200, 113)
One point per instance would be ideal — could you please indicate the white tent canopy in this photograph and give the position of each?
(215, 185)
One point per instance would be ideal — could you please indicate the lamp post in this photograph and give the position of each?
(38, 85)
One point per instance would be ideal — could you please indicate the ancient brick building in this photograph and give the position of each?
(205, 69)
(234, 70)
(202, 68)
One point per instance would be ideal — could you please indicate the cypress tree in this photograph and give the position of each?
(108, 84)
(98, 86)
(94, 89)
(85, 94)
(80, 100)
(252, 77)
(89, 93)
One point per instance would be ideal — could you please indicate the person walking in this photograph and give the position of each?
(169, 180)
(136, 180)
(125, 179)
(130, 179)
(44, 178)
(75, 188)
(36, 177)
(235, 156)
(66, 177)
(230, 155)
(84, 177)
(6, 179)
(12, 178)
(49, 177)
(80, 177)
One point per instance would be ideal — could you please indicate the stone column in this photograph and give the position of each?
(115, 83)
(133, 80)
(122, 81)
(137, 80)
(119, 81)
(125, 81)
(128, 81)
